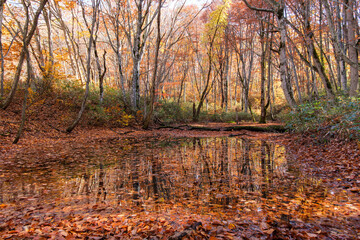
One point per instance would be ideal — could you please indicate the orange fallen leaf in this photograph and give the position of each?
(213, 238)
(232, 226)
(217, 222)
(270, 231)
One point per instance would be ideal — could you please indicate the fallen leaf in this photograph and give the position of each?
(312, 235)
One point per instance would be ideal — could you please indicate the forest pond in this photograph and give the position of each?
(210, 171)
(201, 175)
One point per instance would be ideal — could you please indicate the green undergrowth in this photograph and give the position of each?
(340, 117)
(111, 111)
(66, 98)
(171, 112)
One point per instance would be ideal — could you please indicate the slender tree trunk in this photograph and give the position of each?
(135, 95)
(353, 54)
(285, 81)
(137, 54)
(182, 85)
(341, 62)
(88, 67)
(269, 76)
(24, 106)
(295, 75)
(101, 73)
(262, 74)
(70, 47)
(247, 80)
(227, 67)
(215, 96)
(319, 67)
(122, 78)
(2, 3)
(154, 77)
(50, 71)
(349, 37)
(27, 39)
(205, 91)
(38, 51)
(320, 32)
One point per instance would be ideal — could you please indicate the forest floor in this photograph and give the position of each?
(329, 209)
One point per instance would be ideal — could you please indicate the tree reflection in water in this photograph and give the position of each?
(208, 171)
(213, 172)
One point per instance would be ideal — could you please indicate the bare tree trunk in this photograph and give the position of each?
(285, 80)
(353, 54)
(182, 85)
(50, 71)
(266, 45)
(208, 82)
(262, 73)
(38, 51)
(341, 62)
(2, 3)
(349, 36)
(96, 5)
(114, 17)
(138, 44)
(319, 67)
(205, 92)
(278, 8)
(270, 87)
(24, 106)
(227, 67)
(69, 40)
(295, 75)
(135, 90)
(101, 73)
(155, 73)
(27, 39)
(101, 78)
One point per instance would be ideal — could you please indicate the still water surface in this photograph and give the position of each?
(226, 178)
(200, 174)
(213, 171)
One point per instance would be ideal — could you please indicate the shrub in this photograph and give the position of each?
(169, 112)
(97, 115)
(42, 85)
(71, 90)
(339, 117)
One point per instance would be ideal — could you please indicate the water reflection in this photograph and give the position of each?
(197, 171)
(214, 171)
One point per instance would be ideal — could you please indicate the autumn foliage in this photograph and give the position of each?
(172, 119)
